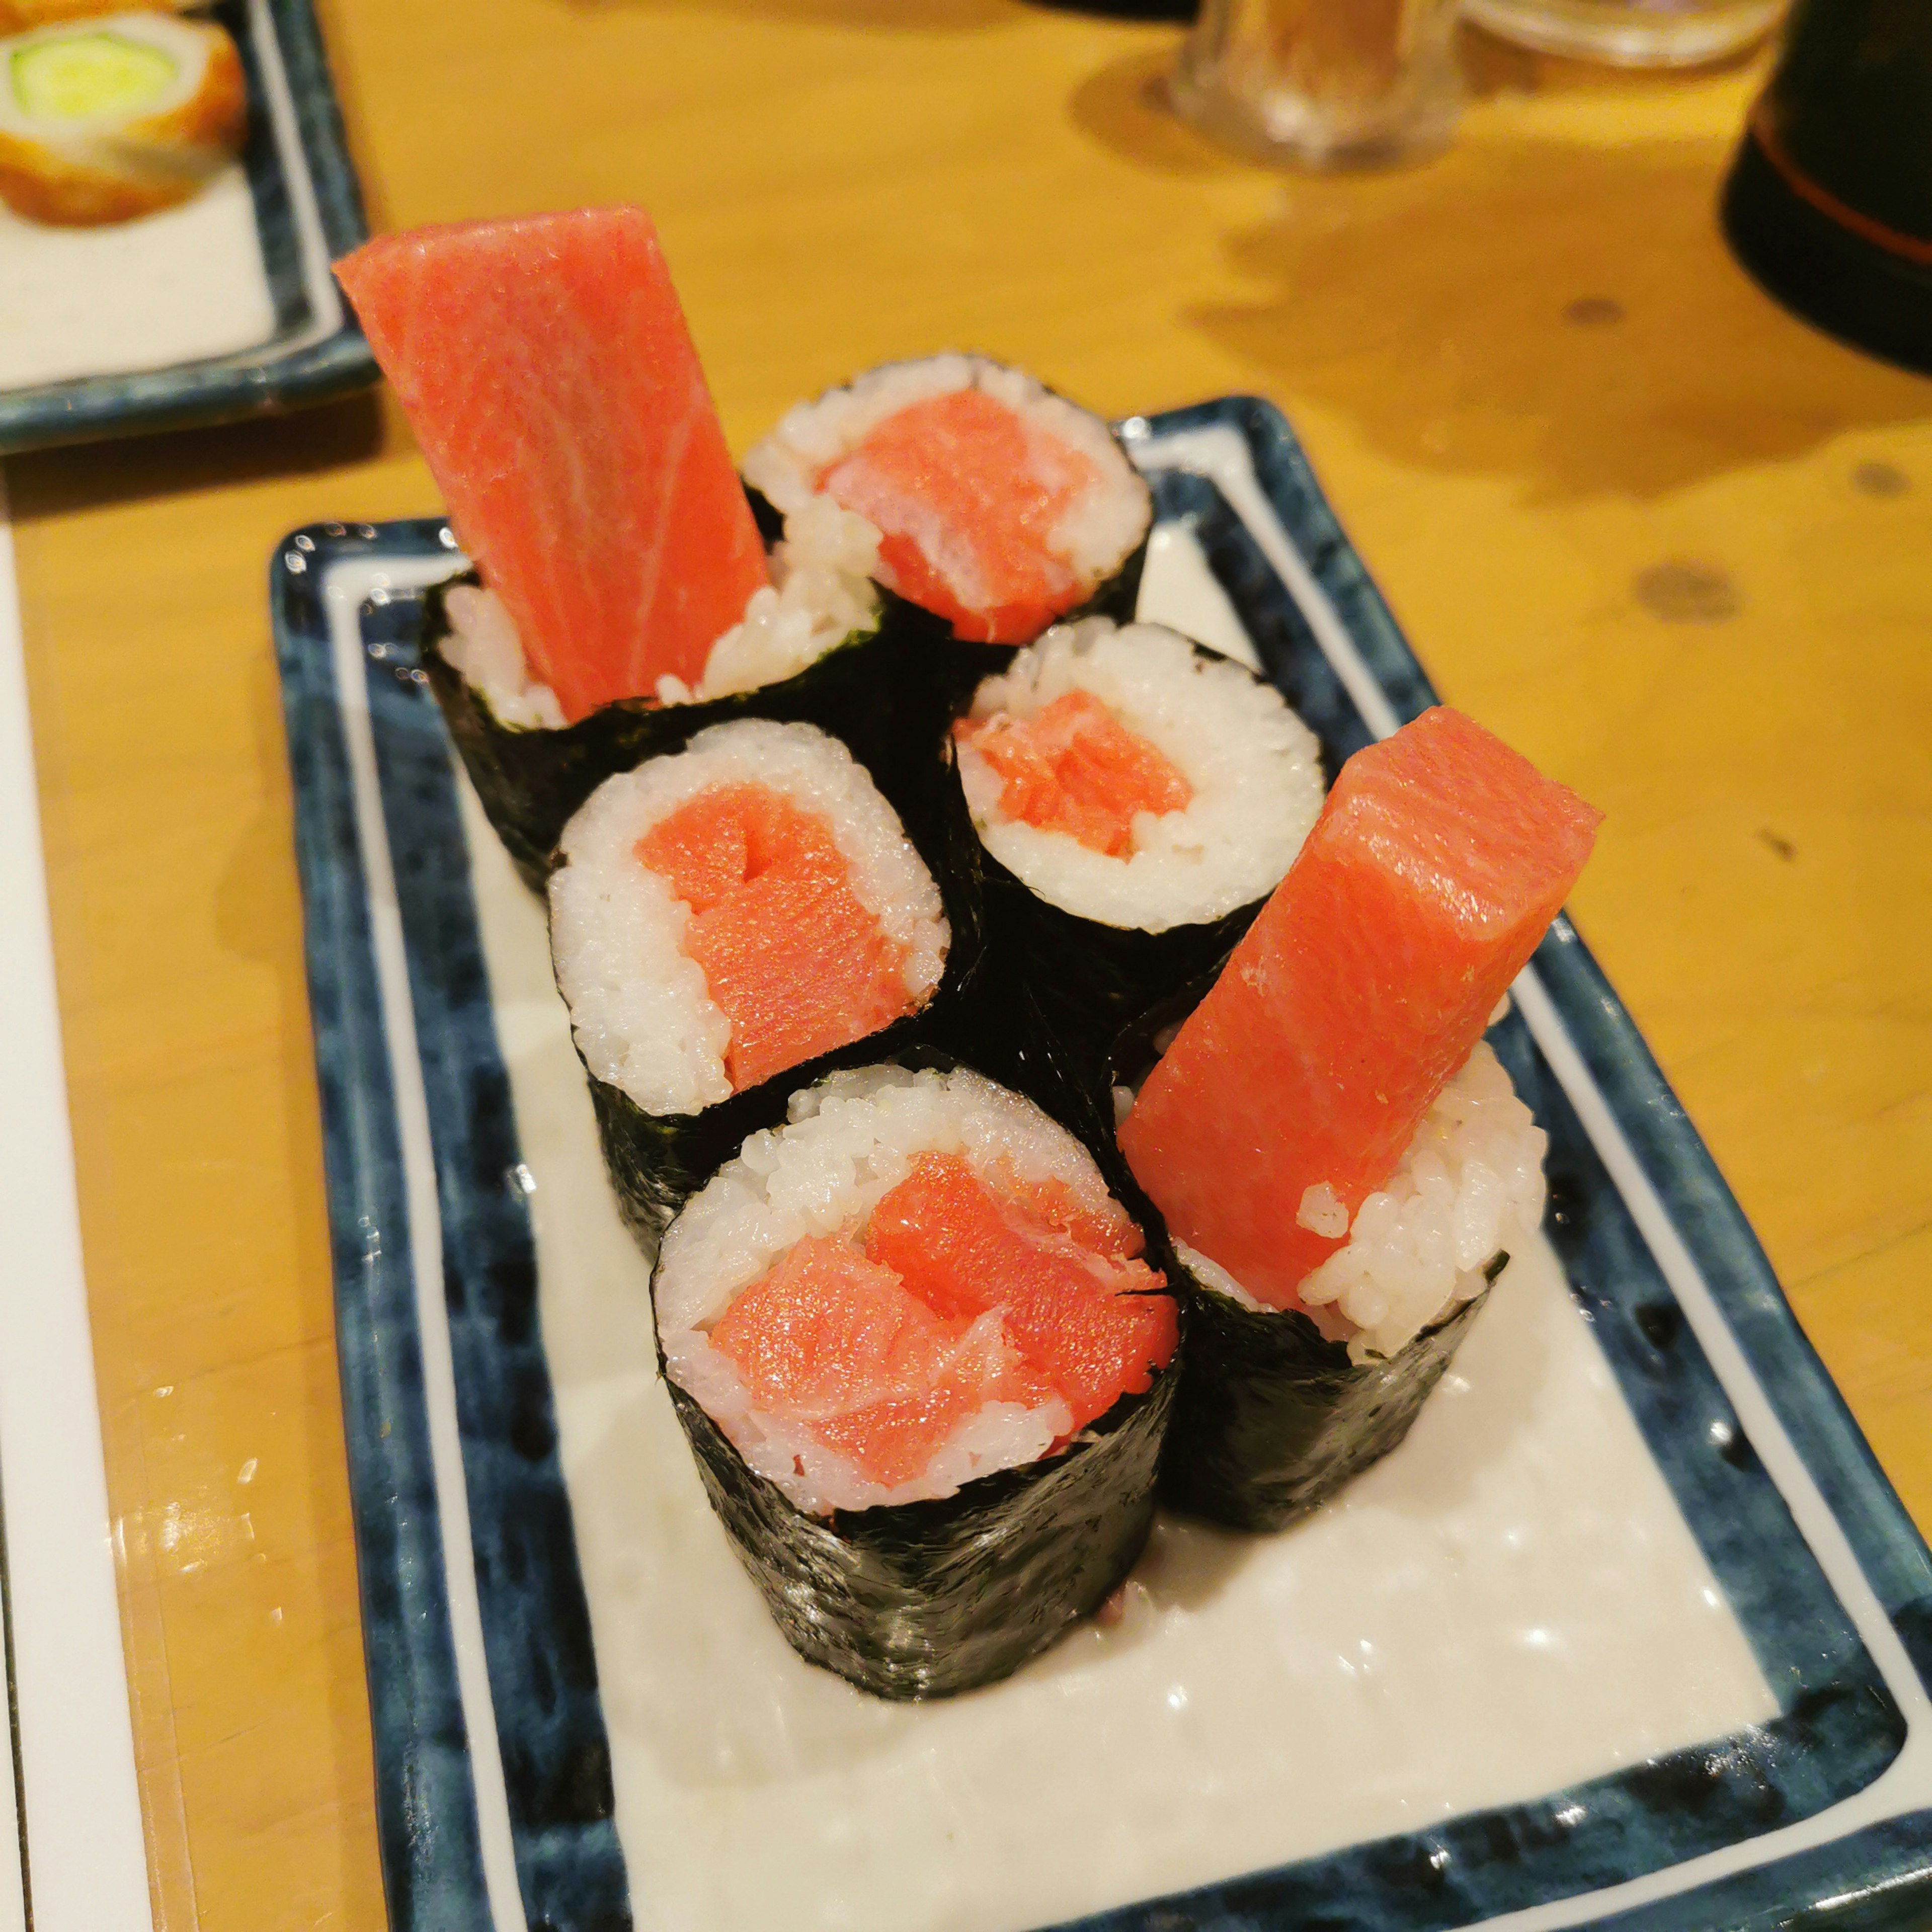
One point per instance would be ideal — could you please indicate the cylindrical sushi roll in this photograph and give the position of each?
(1001, 507)
(1138, 797)
(104, 119)
(731, 913)
(1340, 1193)
(545, 366)
(922, 1362)
(817, 643)
(1283, 1405)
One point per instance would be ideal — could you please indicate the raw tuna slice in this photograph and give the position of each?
(1437, 862)
(1085, 1320)
(968, 496)
(1074, 767)
(829, 1339)
(546, 370)
(791, 957)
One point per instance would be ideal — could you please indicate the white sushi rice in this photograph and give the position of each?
(848, 1141)
(1469, 1187)
(1093, 538)
(821, 593)
(644, 1019)
(484, 646)
(1255, 769)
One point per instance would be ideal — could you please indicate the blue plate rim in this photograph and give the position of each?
(1893, 1853)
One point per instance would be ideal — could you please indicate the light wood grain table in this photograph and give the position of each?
(1673, 545)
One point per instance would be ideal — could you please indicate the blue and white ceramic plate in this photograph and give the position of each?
(224, 307)
(1631, 1631)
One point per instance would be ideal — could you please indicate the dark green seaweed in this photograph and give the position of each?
(883, 692)
(927, 1599)
(657, 1161)
(1117, 596)
(1095, 981)
(1272, 1419)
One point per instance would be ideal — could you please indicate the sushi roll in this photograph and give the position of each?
(1137, 798)
(812, 645)
(105, 119)
(1001, 507)
(723, 916)
(623, 598)
(922, 1361)
(1341, 1162)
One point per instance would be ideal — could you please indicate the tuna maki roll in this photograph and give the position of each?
(810, 642)
(722, 915)
(623, 597)
(1001, 507)
(1340, 1161)
(921, 1360)
(1138, 797)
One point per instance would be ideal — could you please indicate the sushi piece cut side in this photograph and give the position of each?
(1279, 1407)
(950, 1298)
(921, 1281)
(1130, 778)
(1074, 767)
(1467, 1193)
(999, 506)
(796, 961)
(107, 119)
(733, 910)
(834, 1342)
(1291, 1093)
(545, 366)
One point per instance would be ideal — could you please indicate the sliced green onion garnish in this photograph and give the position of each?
(85, 76)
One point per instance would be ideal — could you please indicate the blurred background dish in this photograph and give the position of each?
(110, 119)
(21, 17)
(175, 190)
(1631, 33)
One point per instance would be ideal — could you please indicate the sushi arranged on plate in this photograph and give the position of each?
(1036, 1094)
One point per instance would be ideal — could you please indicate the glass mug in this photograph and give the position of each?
(1630, 33)
(1322, 83)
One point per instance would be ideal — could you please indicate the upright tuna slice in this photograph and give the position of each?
(546, 368)
(1438, 861)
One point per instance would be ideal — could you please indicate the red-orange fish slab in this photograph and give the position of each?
(1074, 767)
(546, 368)
(791, 956)
(1438, 861)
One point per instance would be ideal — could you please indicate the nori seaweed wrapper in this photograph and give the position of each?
(1272, 1419)
(1094, 981)
(926, 1599)
(882, 691)
(921, 1599)
(657, 1161)
(1118, 596)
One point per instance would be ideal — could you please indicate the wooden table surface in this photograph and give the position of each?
(1673, 545)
